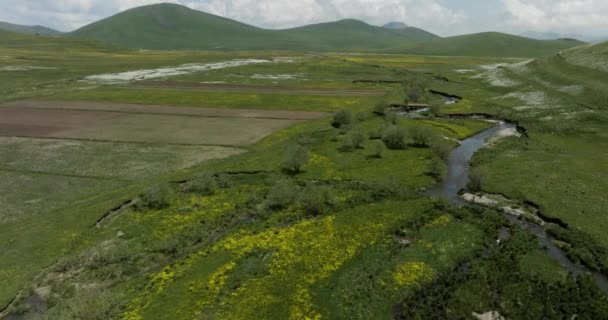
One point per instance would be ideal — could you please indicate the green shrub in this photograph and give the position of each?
(153, 199)
(477, 177)
(441, 147)
(281, 195)
(395, 138)
(380, 108)
(297, 156)
(438, 169)
(376, 134)
(205, 184)
(316, 200)
(342, 118)
(392, 118)
(421, 136)
(378, 150)
(353, 140)
(435, 109)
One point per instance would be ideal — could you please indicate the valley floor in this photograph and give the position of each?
(248, 192)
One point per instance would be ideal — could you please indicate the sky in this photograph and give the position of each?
(587, 18)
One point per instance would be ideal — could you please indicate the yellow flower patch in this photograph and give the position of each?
(411, 273)
(443, 220)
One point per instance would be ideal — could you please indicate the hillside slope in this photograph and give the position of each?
(353, 35)
(175, 27)
(168, 26)
(489, 44)
(591, 56)
(31, 30)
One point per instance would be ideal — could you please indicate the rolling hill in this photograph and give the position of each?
(354, 35)
(31, 30)
(489, 44)
(175, 27)
(169, 26)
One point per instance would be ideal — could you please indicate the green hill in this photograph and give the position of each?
(591, 56)
(354, 35)
(169, 26)
(489, 44)
(175, 27)
(32, 30)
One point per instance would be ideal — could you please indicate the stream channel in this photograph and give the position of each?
(457, 179)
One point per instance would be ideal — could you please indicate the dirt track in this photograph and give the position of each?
(256, 89)
(95, 109)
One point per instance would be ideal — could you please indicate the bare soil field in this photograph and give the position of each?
(144, 124)
(169, 110)
(258, 89)
(15, 121)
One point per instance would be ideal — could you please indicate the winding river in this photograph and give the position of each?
(458, 177)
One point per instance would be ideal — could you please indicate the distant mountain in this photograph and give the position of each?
(493, 44)
(395, 25)
(32, 30)
(169, 26)
(175, 27)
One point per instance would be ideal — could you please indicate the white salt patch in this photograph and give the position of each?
(491, 315)
(479, 199)
(496, 78)
(493, 66)
(531, 98)
(123, 77)
(464, 70)
(275, 76)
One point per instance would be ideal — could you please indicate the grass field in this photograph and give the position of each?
(125, 201)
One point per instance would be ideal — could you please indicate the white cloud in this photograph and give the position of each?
(71, 14)
(586, 16)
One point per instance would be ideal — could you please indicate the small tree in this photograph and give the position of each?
(441, 147)
(413, 94)
(421, 136)
(153, 199)
(316, 200)
(380, 108)
(395, 138)
(297, 157)
(342, 118)
(437, 169)
(205, 184)
(435, 109)
(281, 195)
(477, 177)
(392, 118)
(354, 140)
(378, 150)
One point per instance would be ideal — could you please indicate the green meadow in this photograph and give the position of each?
(290, 189)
